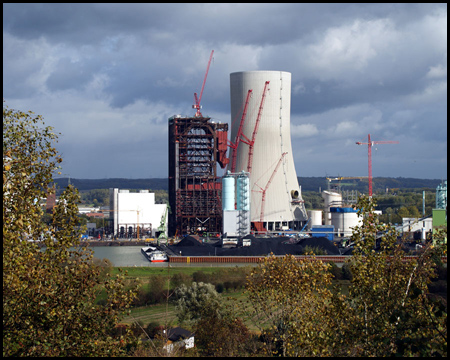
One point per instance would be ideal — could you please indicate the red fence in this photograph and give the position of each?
(256, 259)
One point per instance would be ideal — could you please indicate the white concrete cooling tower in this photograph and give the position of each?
(272, 176)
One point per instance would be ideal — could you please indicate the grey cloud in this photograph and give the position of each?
(386, 74)
(70, 75)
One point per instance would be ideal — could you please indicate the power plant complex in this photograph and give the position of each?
(260, 189)
(232, 180)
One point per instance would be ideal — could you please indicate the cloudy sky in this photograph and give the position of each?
(108, 77)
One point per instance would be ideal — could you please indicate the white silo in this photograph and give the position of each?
(331, 199)
(315, 218)
(272, 176)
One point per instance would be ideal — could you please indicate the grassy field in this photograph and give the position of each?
(160, 312)
(165, 313)
(143, 272)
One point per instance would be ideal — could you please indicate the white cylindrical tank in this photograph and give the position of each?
(331, 199)
(228, 193)
(272, 139)
(243, 193)
(315, 218)
(343, 219)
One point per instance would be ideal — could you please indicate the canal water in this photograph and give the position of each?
(123, 255)
(131, 256)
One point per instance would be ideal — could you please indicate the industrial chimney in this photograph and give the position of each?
(275, 194)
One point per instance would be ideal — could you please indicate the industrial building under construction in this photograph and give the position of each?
(196, 146)
(260, 147)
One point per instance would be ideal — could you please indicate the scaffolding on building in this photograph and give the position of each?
(196, 146)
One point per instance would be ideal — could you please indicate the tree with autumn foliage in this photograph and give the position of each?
(49, 295)
(388, 311)
(290, 299)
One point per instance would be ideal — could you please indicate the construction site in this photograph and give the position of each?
(236, 185)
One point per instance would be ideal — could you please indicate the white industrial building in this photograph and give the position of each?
(414, 224)
(130, 210)
(272, 170)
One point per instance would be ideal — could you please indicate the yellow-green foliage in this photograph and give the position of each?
(48, 296)
(387, 311)
(290, 299)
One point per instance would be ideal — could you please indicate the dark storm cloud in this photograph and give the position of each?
(81, 23)
(120, 70)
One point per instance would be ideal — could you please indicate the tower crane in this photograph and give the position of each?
(251, 142)
(235, 145)
(371, 143)
(197, 100)
(263, 191)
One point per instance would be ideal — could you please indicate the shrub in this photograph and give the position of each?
(219, 288)
(346, 272)
(336, 271)
(180, 279)
(200, 276)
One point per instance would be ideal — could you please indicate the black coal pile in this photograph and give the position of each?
(190, 246)
(321, 243)
(189, 241)
(265, 246)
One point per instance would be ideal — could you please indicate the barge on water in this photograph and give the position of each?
(154, 255)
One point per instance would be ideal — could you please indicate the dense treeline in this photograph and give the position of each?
(90, 184)
(307, 183)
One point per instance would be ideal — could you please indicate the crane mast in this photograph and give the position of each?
(263, 198)
(239, 133)
(371, 143)
(197, 100)
(251, 142)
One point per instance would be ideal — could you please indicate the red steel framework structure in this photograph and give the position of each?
(196, 146)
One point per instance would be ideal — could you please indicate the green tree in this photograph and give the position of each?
(403, 212)
(413, 211)
(391, 312)
(221, 334)
(388, 311)
(291, 303)
(157, 285)
(48, 296)
(195, 301)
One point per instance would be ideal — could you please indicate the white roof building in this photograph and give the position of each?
(130, 210)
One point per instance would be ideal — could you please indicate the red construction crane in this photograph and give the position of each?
(197, 100)
(235, 145)
(263, 191)
(251, 142)
(370, 144)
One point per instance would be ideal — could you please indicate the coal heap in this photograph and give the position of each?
(189, 241)
(322, 243)
(190, 246)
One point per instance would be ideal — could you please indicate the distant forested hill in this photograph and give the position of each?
(90, 184)
(307, 183)
(362, 185)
